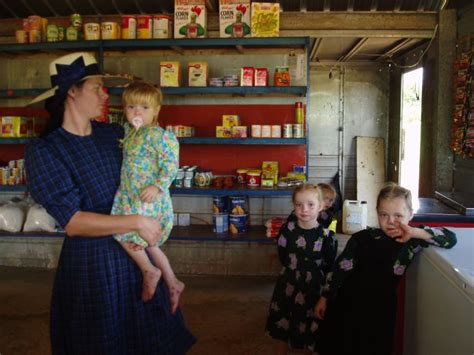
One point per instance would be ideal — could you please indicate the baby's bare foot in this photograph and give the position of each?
(150, 280)
(176, 289)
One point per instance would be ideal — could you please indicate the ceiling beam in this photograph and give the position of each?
(313, 55)
(356, 33)
(357, 47)
(392, 51)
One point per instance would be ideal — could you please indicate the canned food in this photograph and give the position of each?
(52, 33)
(276, 131)
(72, 34)
(266, 131)
(288, 130)
(241, 176)
(162, 25)
(21, 36)
(76, 21)
(220, 204)
(91, 31)
(129, 27)
(298, 130)
(109, 30)
(34, 36)
(238, 205)
(188, 182)
(61, 33)
(256, 130)
(253, 178)
(144, 27)
(238, 223)
(34, 23)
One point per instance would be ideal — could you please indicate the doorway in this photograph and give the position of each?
(410, 130)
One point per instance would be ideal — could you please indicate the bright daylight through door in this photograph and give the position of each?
(410, 130)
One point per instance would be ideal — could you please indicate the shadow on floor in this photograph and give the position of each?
(226, 313)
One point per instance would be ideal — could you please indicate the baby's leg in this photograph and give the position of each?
(151, 274)
(175, 286)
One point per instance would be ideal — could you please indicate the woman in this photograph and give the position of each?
(74, 171)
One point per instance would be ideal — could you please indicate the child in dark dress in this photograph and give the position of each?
(306, 252)
(358, 302)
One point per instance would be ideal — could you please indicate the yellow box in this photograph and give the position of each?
(170, 74)
(230, 120)
(223, 132)
(265, 19)
(20, 126)
(270, 171)
(197, 73)
(6, 126)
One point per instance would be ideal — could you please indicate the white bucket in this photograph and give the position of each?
(354, 216)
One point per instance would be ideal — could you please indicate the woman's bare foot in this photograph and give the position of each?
(176, 289)
(150, 280)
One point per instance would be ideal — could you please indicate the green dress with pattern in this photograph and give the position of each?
(150, 157)
(306, 255)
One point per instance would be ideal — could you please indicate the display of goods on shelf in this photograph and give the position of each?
(265, 19)
(110, 30)
(190, 19)
(265, 131)
(462, 130)
(181, 130)
(91, 31)
(234, 18)
(20, 127)
(273, 226)
(197, 73)
(261, 77)
(13, 173)
(129, 27)
(162, 26)
(36, 29)
(269, 173)
(247, 76)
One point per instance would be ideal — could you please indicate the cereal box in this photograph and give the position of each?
(197, 73)
(190, 19)
(265, 19)
(170, 74)
(230, 120)
(234, 18)
(6, 126)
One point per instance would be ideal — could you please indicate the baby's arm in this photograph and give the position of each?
(168, 160)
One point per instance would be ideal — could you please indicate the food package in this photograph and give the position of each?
(234, 18)
(247, 76)
(230, 120)
(190, 19)
(270, 171)
(197, 73)
(170, 74)
(265, 19)
(239, 132)
(223, 132)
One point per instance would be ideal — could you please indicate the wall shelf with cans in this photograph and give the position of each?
(243, 141)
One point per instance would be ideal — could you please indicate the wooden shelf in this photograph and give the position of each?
(242, 141)
(195, 232)
(252, 192)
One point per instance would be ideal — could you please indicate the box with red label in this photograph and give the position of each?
(261, 77)
(247, 76)
(170, 74)
(190, 19)
(197, 73)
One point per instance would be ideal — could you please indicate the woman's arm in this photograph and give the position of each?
(90, 224)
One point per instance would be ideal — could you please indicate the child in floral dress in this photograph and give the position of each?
(149, 166)
(306, 251)
(358, 302)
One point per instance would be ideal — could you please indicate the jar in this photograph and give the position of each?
(253, 178)
(241, 176)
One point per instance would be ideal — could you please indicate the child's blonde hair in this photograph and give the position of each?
(328, 189)
(391, 191)
(308, 187)
(143, 93)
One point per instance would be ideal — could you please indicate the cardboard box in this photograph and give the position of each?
(190, 19)
(239, 131)
(270, 171)
(230, 120)
(234, 18)
(197, 73)
(265, 19)
(223, 132)
(170, 74)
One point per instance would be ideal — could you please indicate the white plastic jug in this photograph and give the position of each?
(354, 216)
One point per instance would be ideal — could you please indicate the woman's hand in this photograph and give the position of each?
(149, 193)
(149, 229)
(320, 309)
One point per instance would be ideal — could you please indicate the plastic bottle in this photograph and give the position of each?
(354, 216)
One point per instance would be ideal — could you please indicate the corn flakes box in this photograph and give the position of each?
(230, 120)
(197, 73)
(170, 74)
(265, 19)
(190, 19)
(234, 18)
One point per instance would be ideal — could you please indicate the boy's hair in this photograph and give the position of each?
(391, 191)
(308, 187)
(140, 92)
(328, 189)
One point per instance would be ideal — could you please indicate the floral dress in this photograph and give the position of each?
(361, 291)
(306, 255)
(150, 157)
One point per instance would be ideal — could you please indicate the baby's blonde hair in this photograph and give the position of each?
(308, 187)
(143, 93)
(391, 191)
(328, 189)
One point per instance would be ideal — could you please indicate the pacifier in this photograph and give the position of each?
(137, 122)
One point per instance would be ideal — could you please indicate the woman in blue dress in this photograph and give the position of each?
(74, 171)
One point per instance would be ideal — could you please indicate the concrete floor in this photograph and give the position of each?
(226, 313)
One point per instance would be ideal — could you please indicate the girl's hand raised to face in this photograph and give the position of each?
(403, 233)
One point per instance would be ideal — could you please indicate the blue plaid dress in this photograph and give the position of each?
(96, 304)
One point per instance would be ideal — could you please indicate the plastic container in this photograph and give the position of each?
(354, 216)
(220, 223)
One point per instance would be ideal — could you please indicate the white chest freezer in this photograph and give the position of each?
(439, 300)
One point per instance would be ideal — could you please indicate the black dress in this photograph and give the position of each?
(361, 292)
